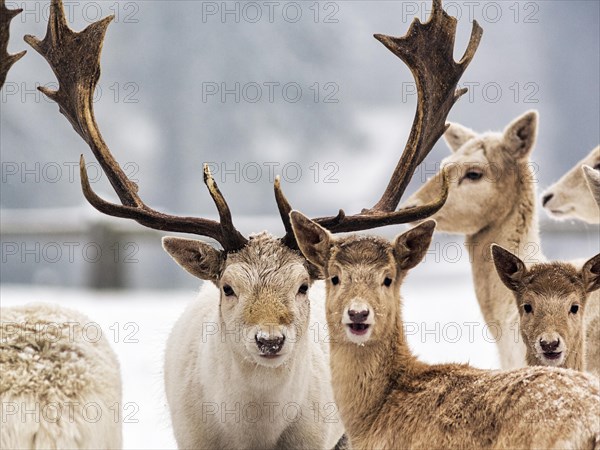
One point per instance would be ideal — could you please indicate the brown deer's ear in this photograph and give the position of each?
(520, 135)
(590, 274)
(313, 240)
(410, 247)
(196, 257)
(509, 267)
(456, 136)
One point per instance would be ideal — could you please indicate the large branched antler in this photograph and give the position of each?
(427, 49)
(75, 59)
(6, 59)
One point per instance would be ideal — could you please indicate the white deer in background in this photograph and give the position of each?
(242, 350)
(61, 382)
(574, 195)
(491, 201)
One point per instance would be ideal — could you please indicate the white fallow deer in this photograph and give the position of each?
(492, 201)
(551, 299)
(576, 195)
(240, 368)
(60, 383)
(388, 399)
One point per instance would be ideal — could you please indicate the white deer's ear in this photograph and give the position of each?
(313, 240)
(520, 135)
(592, 176)
(590, 274)
(456, 136)
(196, 257)
(410, 247)
(510, 268)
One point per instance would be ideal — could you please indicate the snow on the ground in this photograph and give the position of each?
(442, 318)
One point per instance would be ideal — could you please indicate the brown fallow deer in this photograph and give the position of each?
(388, 399)
(551, 299)
(257, 300)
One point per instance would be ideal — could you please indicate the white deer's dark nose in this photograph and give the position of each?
(269, 345)
(546, 198)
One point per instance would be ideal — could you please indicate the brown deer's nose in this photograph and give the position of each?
(358, 316)
(550, 346)
(546, 198)
(269, 346)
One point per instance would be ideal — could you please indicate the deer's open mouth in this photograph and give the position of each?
(552, 355)
(358, 328)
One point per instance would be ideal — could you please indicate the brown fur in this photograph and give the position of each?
(550, 290)
(389, 399)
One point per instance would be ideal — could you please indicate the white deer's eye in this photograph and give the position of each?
(574, 309)
(335, 280)
(303, 289)
(228, 290)
(473, 175)
(387, 282)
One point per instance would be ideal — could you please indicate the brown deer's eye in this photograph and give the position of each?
(335, 280)
(228, 290)
(574, 309)
(303, 289)
(387, 282)
(527, 307)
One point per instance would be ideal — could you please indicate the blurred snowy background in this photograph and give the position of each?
(299, 89)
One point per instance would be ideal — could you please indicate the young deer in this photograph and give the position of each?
(551, 299)
(570, 196)
(6, 59)
(244, 342)
(389, 399)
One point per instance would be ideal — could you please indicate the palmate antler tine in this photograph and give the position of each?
(6, 59)
(75, 60)
(428, 50)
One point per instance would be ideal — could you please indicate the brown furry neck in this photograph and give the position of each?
(363, 376)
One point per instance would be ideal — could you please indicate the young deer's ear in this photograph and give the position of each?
(411, 246)
(592, 176)
(510, 268)
(456, 136)
(520, 135)
(313, 240)
(590, 274)
(196, 257)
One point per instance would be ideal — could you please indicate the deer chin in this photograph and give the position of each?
(552, 359)
(358, 334)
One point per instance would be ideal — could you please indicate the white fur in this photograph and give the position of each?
(59, 389)
(227, 400)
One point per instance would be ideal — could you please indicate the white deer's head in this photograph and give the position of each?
(576, 195)
(487, 173)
